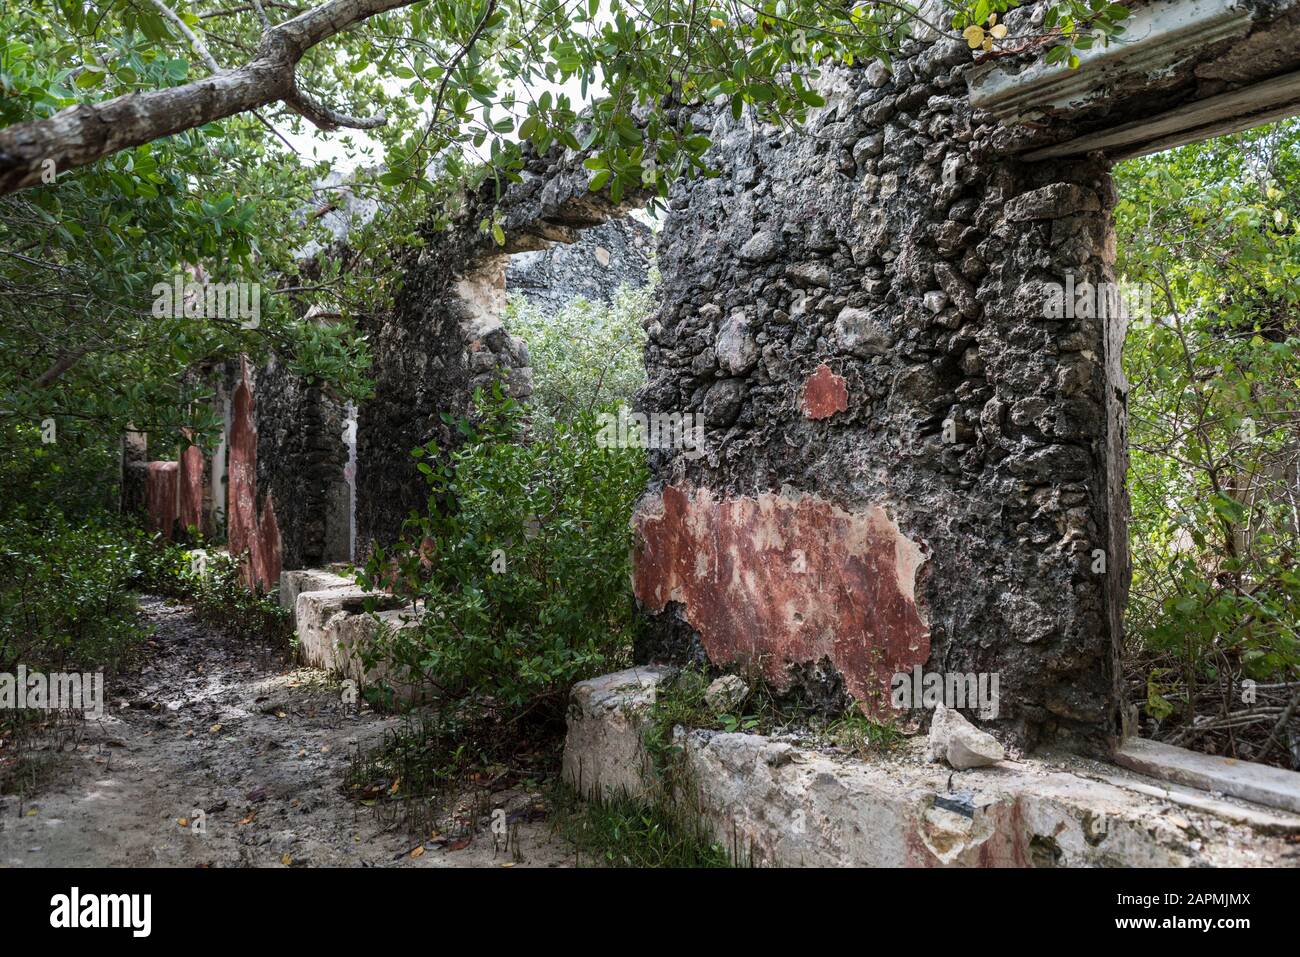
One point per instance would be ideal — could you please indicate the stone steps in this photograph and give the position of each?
(333, 628)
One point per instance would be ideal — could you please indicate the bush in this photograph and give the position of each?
(215, 589)
(523, 559)
(65, 602)
(74, 476)
(1214, 418)
(587, 355)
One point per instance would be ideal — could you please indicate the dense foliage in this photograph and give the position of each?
(65, 600)
(461, 83)
(66, 562)
(1214, 417)
(522, 559)
(587, 355)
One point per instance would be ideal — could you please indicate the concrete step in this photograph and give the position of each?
(334, 629)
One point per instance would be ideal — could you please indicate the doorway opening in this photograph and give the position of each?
(1209, 250)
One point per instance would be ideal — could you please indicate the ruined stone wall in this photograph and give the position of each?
(907, 458)
(445, 338)
(604, 258)
(301, 458)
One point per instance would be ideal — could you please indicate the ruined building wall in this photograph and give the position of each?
(445, 337)
(444, 340)
(907, 459)
(603, 258)
(301, 458)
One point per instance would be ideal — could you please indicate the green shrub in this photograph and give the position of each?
(523, 559)
(75, 476)
(65, 601)
(215, 589)
(587, 355)
(1214, 434)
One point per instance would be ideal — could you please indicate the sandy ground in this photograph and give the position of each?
(261, 747)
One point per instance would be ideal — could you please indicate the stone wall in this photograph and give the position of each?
(604, 258)
(301, 457)
(915, 456)
(907, 455)
(445, 338)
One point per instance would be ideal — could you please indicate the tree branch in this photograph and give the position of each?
(328, 119)
(199, 46)
(82, 134)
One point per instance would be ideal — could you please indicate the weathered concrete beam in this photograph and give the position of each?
(1259, 783)
(603, 751)
(1157, 37)
(1183, 71)
(1217, 116)
(293, 583)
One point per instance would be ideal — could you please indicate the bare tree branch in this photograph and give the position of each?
(328, 119)
(199, 46)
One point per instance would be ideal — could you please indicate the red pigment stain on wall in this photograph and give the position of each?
(191, 488)
(259, 535)
(160, 497)
(998, 837)
(824, 394)
(778, 580)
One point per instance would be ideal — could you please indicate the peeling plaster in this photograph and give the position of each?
(783, 579)
(258, 534)
(191, 488)
(160, 497)
(824, 394)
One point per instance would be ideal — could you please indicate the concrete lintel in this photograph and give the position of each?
(1157, 38)
(1194, 122)
(1259, 783)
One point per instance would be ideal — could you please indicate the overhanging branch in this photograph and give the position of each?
(82, 134)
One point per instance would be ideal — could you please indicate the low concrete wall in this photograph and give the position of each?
(334, 629)
(603, 753)
(777, 803)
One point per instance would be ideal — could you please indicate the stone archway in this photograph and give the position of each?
(445, 336)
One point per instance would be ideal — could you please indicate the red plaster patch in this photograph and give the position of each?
(191, 488)
(160, 498)
(824, 394)
(259, 535)
(779, 580)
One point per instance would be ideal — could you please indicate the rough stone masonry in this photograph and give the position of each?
(941, 508)
(913, 460)
(445, 337)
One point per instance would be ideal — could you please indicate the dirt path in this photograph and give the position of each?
(258, 744)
